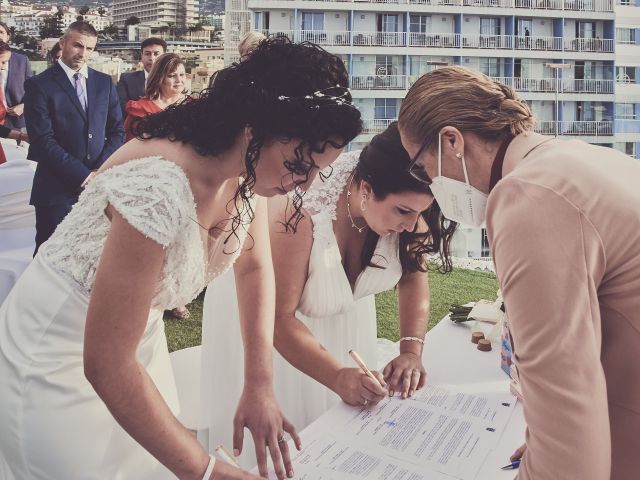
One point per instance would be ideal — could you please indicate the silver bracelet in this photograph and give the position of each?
(211, 464)
(412, 339)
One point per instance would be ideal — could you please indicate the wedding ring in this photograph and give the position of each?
(364, 404)
(281, 440)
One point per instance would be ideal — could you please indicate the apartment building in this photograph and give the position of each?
(577, 62)
(180, 13)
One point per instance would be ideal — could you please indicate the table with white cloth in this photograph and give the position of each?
(450, 358)
(17, 217)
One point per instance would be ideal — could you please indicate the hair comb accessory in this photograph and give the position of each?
(329, 96)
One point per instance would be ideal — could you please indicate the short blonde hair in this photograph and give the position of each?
(465, 99)
(248, 43)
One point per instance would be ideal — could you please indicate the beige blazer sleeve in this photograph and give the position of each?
(549, 260)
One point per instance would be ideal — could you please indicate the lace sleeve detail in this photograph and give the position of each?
(152, 194)
(323, 195)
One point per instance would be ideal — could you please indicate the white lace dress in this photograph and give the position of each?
(341, 319)
(54, 426)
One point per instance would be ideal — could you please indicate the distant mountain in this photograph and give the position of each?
(212, 6)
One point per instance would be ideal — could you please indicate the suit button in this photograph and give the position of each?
(88, 157)
(90, 135)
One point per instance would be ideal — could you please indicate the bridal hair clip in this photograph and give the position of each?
(329, 96)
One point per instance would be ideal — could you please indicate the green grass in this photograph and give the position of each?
(458, 287)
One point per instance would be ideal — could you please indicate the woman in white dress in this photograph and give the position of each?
(86, 389)
(366, 228)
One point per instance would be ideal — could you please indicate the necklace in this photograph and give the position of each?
(353, 224)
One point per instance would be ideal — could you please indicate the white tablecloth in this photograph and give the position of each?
(17, 217)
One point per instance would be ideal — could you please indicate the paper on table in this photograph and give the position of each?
(441, 430)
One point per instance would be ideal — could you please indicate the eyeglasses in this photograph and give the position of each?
(418, 171)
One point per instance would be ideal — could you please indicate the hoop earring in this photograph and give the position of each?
(363, 205)
(458, 155)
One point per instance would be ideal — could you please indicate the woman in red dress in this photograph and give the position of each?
(165, 87)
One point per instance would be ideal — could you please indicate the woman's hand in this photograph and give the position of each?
(356, 389)
(405, 374)
(518, 454)
(258, 410)
(225, 471)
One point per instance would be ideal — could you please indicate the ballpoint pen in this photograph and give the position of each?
(512, 466)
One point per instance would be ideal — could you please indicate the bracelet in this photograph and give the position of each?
(209, 470)
(412, 339)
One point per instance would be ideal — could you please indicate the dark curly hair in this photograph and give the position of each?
(272, 92)
(383, 164)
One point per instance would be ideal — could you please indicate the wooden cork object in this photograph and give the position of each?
(476, 337)
(484, 345)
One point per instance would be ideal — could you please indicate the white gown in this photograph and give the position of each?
(341, 319)
(54, 426)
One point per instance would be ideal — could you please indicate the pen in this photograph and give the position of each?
(363, 367)
(512, 466)
(224, 454)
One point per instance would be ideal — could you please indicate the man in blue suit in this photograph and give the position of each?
(132, 84)
(74, 123)
(13, 83)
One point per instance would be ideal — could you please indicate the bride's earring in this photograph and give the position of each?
(363, 203)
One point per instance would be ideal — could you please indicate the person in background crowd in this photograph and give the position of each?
(74, 123)
(563, 222)
(54, 54)
(12, 83)
(165, 87)
(131, 85)
(248, 43)
(6, 132)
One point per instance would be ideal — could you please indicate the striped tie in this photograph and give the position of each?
(82, 96)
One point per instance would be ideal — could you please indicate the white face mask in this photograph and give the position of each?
(459, 201)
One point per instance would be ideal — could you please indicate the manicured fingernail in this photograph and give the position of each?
(236, 452)
(391, 392)
(404, 394)
(290, 474)
(411, 392)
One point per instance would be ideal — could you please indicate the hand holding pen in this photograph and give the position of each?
(357, 389)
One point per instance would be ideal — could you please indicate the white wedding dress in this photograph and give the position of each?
(341, 319)
(54, 426)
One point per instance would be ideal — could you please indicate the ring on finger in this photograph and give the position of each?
(413, 372)
(364, 404)
(281, 440)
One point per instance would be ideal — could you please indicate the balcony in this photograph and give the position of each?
(375, 125)
(589, 45)
(579, 128)
(487, 41)
(319, 37)
(378, 82)
(588, 86)
(547, 85)
(380, 39)
(568, 5)
(446, 40)
(551, 44)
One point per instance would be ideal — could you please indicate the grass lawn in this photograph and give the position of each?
(457, 287)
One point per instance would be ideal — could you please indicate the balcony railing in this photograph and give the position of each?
(571, 5)
(588, 86)
(579, 128)
(378, 82)
(588, 45)
(434, 40)
(627, 125)
(547, 85)
(447, 40)
(521, 42)
(375, 125)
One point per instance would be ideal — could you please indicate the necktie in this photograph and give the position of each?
(82, 95)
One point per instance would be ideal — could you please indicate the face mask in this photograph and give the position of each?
(459, 201)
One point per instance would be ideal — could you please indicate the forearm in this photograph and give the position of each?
(297, 344)
(133, 399)
(413, 300)
(256, 303)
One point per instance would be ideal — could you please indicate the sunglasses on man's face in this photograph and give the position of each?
(416, 170)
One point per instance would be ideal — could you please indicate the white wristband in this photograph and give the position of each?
(412, 339)
(209, 470)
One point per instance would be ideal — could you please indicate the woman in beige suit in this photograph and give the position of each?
(563, 219)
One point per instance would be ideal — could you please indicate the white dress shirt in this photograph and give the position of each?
(84, 74)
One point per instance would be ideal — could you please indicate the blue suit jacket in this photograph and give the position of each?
(19, 72)
(66, 141)
(130, 87)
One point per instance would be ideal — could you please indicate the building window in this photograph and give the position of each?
(313, 21)
(626, 35)
(625, 74)
(490, 66)
(420, 23)
(625, 111)
(490, 26)
(385, 65)
(630, 148)
(386, 109)
(261, 21)
(585, 29)
(388, 23)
